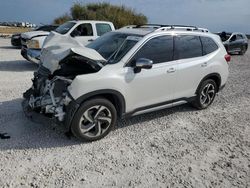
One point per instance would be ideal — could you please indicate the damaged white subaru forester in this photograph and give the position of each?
(124, 73)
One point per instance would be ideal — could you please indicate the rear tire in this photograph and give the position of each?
(205, 94)
(94, 119)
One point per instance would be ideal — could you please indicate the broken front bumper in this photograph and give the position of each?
(31, 55)
(35, 116)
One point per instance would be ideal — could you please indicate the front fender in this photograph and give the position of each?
(74, 105)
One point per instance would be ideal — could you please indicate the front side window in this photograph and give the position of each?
(83, 30)
(208, 45)
(102, 28)
(187, 46)
(64, 28)
(159, 50)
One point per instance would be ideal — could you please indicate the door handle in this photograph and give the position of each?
(171, 70)
(204, 64)
(91, 40)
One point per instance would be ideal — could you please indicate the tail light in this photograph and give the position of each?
(228, 58)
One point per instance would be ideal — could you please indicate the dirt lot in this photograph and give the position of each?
(178, 147)
(11, 30)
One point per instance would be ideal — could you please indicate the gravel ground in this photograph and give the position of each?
(178, 147)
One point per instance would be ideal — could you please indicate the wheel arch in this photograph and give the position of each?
(214, 76)
(115, 97)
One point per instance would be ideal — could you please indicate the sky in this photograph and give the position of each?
(216, 15)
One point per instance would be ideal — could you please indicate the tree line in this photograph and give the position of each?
(119, 15)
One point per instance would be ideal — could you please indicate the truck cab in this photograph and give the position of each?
(82, 31)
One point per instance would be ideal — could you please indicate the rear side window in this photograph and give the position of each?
(102, 28)
(209, 45)
(187, 46)
(158, 49)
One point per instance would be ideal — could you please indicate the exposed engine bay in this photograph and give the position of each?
(59, 66)
(48, 94)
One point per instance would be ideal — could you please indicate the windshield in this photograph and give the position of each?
(113, 45)
(46, 28)
(64, 28)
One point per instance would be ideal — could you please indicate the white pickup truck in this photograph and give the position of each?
(82, 31)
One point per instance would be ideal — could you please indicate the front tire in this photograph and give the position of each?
(94, 119)
(205, 94)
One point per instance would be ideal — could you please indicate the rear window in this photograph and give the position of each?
(102, 28)
(209, 45)
(187, 46)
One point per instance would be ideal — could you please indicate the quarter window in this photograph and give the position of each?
(102, 28)
(187, 46)
(208, 45)
(159, 50)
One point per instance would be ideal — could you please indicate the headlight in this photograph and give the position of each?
(33, 44)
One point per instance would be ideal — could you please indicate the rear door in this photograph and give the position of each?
(191, 65)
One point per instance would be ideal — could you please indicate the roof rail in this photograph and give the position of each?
(150, 25)
(182, 27)
(160, 27)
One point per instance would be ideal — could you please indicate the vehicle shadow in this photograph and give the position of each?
(10, 47)
(153, 115)
(17, 66)
(26, 134)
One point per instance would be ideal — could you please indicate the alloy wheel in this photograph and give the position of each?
(207, 94)
(95, 121)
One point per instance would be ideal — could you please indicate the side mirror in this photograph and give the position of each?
(74, 33)
(142, 63)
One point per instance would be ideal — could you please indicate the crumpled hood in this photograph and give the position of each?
(56, 47)
(32, 34)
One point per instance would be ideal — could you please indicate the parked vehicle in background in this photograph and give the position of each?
(34, 40)
(82, 31)
(234, 42)
(126, 72)
(16, 38)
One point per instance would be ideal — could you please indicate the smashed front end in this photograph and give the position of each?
(48, 97)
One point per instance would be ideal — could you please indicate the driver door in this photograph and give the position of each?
(152, 87)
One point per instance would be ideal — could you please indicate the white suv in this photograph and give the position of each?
(124, 73)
